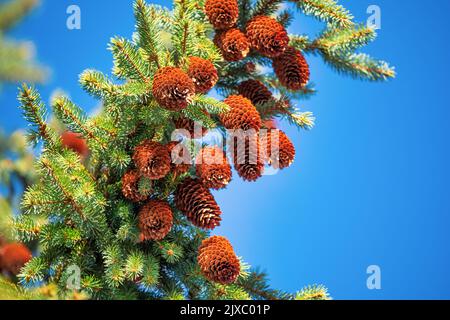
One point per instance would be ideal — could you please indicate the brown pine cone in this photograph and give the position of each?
(267, 36)
(181, 157)
(75, 142)
(217, 260)
(242, 114)
(281, 154)
(152, 159)
(189, 125)
(155, 220)
(292, 69)
(248, 161)
(172, 88)
(198, 204)
(13, 257)
(203, 74)
(130, 186)
(255, 91)
(233, 44)
(222, 14)
(213, 168)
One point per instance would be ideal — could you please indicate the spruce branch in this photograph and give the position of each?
(282, 107)
(244, 12)
(326, 10)
(75, 118)
(100, 86)
(210, 104)
(265, 7)
(313, 292)
(35, 113)
(128, 62)
(70, 199)
(344, 40)
(184, 38)
(360, 66)
(33, 271)
(148, 30)
(256, 284)
(285, 18)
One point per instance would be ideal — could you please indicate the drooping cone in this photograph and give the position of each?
(213, 168)
(292, 69)
(267, 36)
(217, 260)
(130, 186)
(152, 159)
(247, 157)
(172, 88)
(255, 91)
(13, 257)
(189, 125)
(180, 157)
(155, 220)
(233, 44)
(279, 150)
(75, 142)
(222, 14)
(203, 74)
(198, 204)
(242, 114)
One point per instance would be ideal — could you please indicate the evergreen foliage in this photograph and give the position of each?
(16, 58)
(88, 223)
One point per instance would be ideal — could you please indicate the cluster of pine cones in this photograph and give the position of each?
(263, 34)
(174, 89)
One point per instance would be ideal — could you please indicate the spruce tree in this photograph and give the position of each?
(131, 219)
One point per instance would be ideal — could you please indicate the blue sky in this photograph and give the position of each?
(370, 184)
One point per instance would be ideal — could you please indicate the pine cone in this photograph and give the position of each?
(152, 159)
(292, 69)
(155, 220)
(222, 14)
(255, 91)
(267, 36)
(281, 154)
(181, 158)
(75, 142)
(203, 74)
(213, 168)
(233, 44)
(198, 204)
(130, 186)
(172, 88)
(189, 125)
(13, 257)
(247, 158)
(242, 114)
(217, 260)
